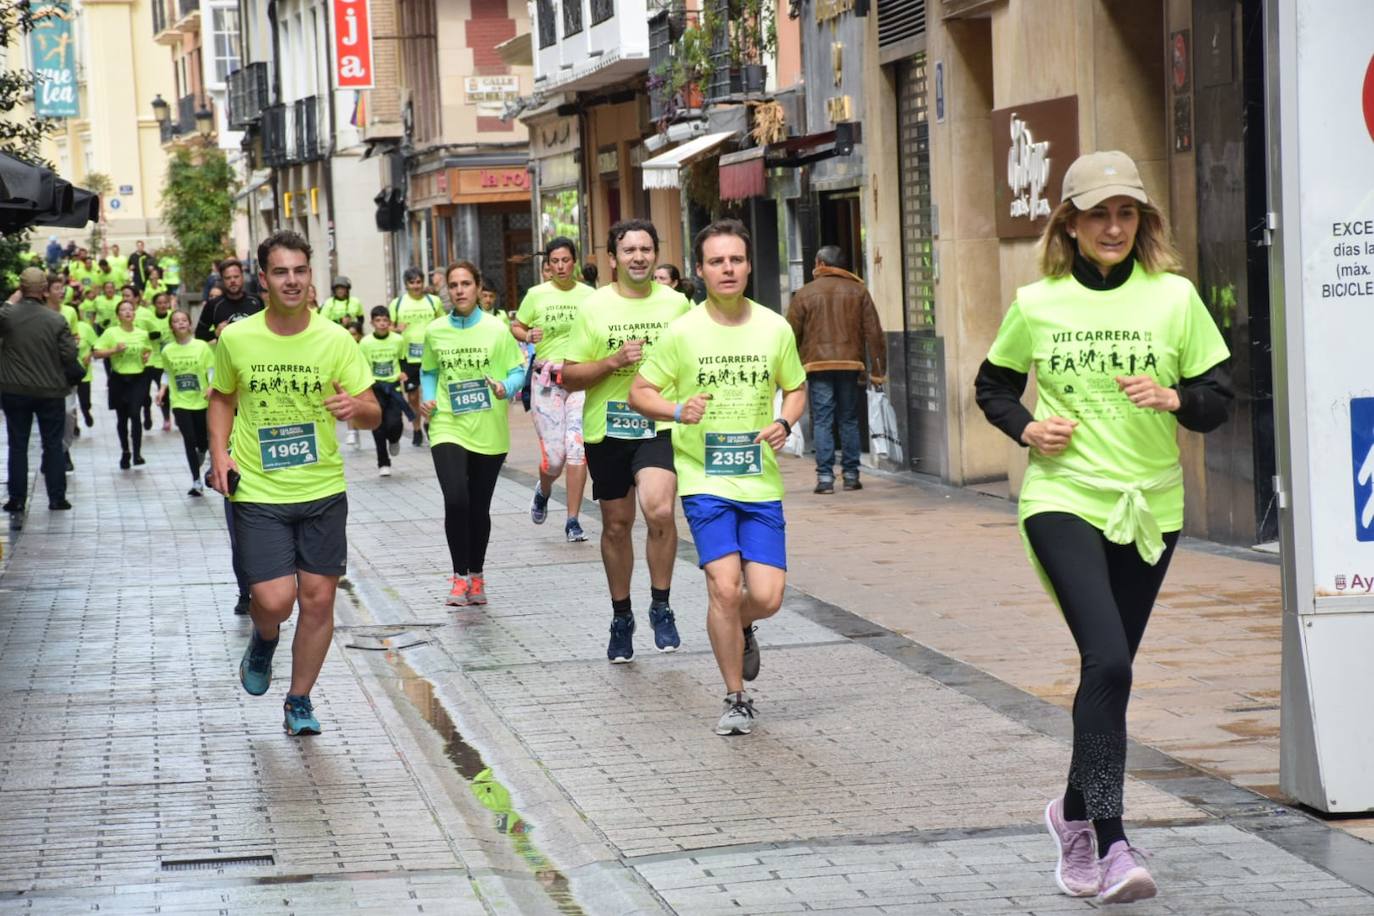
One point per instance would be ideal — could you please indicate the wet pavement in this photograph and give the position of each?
(491, 761)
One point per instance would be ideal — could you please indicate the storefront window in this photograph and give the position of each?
(558, 213)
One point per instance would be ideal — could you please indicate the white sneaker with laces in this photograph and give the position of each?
(739, 715)
(384, 471)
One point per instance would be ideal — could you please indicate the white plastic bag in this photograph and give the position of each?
(884, 441)
(796, 442)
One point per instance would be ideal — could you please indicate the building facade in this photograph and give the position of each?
(119, 71)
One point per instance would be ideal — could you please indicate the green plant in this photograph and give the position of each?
(692, 62)
(20, 133)
(99, 184)
(755, 37)
(198, 206)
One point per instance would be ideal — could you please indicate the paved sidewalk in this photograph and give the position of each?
(490, 760)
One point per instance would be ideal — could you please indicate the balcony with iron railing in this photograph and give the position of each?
(311, 143)
(276, 135)
(249, 91)
(582, 45)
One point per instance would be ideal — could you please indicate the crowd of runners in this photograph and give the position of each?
(664, 402)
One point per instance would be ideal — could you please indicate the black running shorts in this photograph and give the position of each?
(613, 463)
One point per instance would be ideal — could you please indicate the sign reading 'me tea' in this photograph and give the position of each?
(352, 44)
(52, 54)
(1032, 147)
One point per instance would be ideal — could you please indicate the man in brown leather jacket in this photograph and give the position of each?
(835, 322)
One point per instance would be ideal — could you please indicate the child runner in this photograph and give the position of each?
(188, 363)
(384, 351)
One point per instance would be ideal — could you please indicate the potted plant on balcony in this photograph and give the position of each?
(754, 42)
(693, 66)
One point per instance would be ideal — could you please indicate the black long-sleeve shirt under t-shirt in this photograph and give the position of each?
(1204, 400)
(221, 309)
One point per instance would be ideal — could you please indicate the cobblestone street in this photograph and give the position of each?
(489, 760)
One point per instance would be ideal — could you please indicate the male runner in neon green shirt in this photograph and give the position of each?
(291, 375)
(722, 363)
(628, 455)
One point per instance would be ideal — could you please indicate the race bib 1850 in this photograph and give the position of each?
(288, 446)
(469, 396)
(622, 422)
(733, 455)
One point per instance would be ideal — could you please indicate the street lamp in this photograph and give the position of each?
(161, 110)
(205, 121)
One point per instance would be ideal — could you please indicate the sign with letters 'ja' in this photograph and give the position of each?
(352, 44)
(53, 54)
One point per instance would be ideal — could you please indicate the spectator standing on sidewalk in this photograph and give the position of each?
(290, 375)
(835, 322)
(35, 347)
(1124, 352)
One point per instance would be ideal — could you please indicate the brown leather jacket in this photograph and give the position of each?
(835, 320)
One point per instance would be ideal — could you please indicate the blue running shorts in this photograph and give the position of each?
(720, 527)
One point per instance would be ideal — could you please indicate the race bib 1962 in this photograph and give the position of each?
(287, 446)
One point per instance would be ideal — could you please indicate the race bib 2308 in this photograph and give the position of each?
(623, 422)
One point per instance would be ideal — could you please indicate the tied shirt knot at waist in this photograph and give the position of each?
(1131, 520)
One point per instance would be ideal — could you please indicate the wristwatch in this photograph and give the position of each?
(785, 425)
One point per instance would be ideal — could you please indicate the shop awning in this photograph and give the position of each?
(663, 171)
(741, 174)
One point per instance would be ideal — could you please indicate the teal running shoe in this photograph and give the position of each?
(300, 716)
(255, 669)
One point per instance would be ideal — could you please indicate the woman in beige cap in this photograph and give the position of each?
(1123, 351)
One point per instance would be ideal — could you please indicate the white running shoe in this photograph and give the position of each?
(384, 471)
(352, 438)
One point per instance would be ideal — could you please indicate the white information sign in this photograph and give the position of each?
(1321, 97)
(491, 93)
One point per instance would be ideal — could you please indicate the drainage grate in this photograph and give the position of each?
(217, 863)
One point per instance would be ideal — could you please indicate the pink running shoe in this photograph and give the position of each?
(1124, 876)
(1076, 872)
(477, 590)
(458, 595)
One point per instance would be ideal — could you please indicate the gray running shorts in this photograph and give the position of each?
(278, 539)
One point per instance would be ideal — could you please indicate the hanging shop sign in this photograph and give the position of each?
(52, 53)
(495, 185)
(352, 44)
(1033, 146)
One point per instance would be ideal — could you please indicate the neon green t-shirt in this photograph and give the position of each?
(159, 332)
(152, 290)
(604, 322)
(69, 313)
(136, 343)
(552, 310)
(1079, 341)
(467, 412)
(105, 308)
(85, 343)
(337, 310)
(283, 439)
(188, 366)
(81, 273)
(741, 367)
(171, 270)
(415, 314)
(119, 268)
(384, 355)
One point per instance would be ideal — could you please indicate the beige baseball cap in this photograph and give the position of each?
(32, 276)
(1094, 177)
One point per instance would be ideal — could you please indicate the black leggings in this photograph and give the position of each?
(1106, 592)
(83, 395)
(153, 378)
(127, 394)
(468, 480)
(195, 436)
(392, 427)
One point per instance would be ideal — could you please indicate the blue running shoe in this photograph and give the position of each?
(539, 509)
(300, 716)
(665, 627)
(622, 646)
(255, 669)
(573, 531)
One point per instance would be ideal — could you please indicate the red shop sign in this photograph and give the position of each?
(352, 44)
